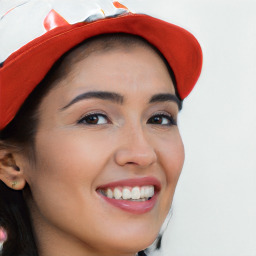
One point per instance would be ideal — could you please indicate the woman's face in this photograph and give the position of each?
(108, 128)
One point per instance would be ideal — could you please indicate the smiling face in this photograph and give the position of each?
(107, 131)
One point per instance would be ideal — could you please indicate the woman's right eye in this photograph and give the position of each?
(94, 119)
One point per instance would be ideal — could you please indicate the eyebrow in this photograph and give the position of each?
(162, 97)
(119, 99)
(110, 96)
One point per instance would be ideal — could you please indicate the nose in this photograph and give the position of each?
(135, 150)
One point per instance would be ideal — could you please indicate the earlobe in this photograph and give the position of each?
(10, 173)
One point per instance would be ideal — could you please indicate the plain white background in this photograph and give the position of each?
(214, 209)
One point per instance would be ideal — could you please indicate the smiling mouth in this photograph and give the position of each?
(136, 196)
(136, 193)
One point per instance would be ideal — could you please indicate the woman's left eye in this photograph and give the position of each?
(94, 119)
(162, 119)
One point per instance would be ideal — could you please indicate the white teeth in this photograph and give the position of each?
(117, 193)
(146, 192)
(151, 191)
(135, 193)
(127, 193)
(142, 192)
(109, 193)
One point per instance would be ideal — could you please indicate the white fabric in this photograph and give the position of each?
(23, 21)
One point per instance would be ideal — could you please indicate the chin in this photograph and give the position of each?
(131, 241)
(131, 246)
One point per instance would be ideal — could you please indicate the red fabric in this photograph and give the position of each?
(25, 68)
(53, 20)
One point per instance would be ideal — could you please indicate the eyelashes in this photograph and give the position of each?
(94, 119)
(160, 119)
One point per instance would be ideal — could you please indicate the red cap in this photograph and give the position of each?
(22, 71)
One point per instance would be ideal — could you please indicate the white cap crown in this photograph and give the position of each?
(24, 20)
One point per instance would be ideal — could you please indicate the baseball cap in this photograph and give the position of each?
(36, 33)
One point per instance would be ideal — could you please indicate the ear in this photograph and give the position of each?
(10, 173)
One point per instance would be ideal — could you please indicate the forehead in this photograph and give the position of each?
(104, 44)
(135, 67)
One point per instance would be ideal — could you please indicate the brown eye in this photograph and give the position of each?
(93, 119)
(156, 120)
(162, 119)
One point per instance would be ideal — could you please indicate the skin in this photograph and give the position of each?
(74, 158)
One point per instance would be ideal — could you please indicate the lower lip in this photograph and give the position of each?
(132, 206)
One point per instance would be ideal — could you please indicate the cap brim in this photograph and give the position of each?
(25, 68)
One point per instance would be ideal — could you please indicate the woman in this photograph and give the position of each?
(90, 149)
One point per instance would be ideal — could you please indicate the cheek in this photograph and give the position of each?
(174, 159)
(68, 154)
(68, 165)
(171, 156)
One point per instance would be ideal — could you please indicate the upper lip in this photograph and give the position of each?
(144, 181)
